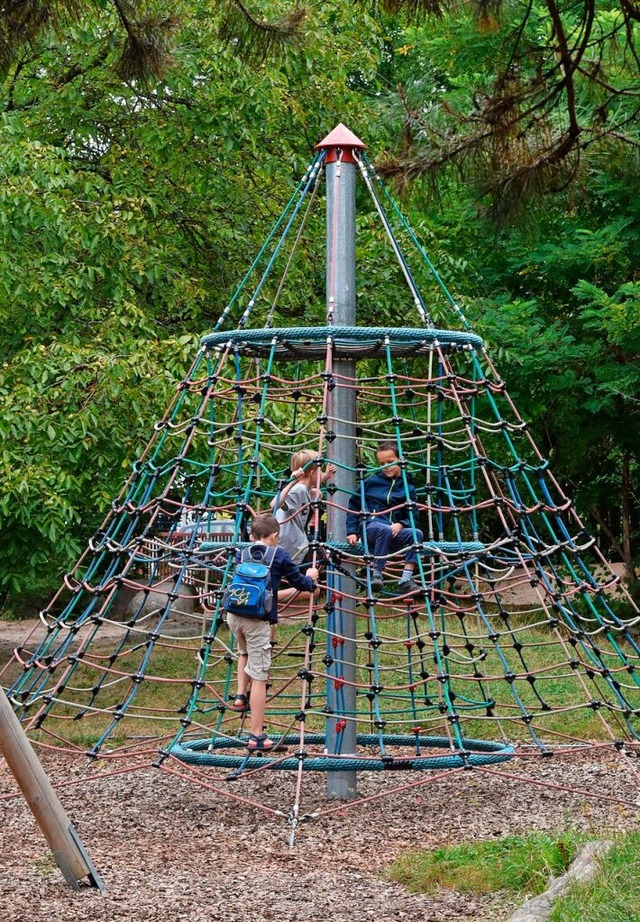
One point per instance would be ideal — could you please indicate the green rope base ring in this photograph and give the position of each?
(348, 342)
(475, 753)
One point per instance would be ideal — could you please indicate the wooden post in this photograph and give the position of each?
(43, 801)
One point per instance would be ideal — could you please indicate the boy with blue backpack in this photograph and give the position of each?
(251, 603)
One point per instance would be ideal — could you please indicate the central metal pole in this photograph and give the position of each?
(340, 170)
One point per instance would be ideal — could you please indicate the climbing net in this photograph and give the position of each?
(518, 639)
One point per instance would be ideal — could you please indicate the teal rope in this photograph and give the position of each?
(471, 752)
(300, 191)
(407, 227)
(407, 336)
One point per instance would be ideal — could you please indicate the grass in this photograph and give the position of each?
(522, 865)
(540, 657)
(614, 893)
(517, 864)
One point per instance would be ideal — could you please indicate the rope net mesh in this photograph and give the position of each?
(516, 623)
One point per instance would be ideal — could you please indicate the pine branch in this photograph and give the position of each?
(21, 21)
(146, 54)
(415, 10)
(254, 39)
(525, 136)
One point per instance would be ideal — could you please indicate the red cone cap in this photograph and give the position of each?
(341, 137)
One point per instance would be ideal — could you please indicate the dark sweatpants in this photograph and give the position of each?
(381, 542)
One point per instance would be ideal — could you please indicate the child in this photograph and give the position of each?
(253, 636)
(292, 508)
(388, 529)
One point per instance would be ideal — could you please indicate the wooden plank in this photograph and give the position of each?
(43, 801)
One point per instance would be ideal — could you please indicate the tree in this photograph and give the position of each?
(128, 214)
(142, 32)
(515, 97)
(556, 299)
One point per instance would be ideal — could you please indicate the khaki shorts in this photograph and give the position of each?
(254, 639)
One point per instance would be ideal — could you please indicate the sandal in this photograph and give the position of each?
(262, 743)
(240, 703)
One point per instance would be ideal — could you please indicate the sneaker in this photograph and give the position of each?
(376, 582)
(407, 585)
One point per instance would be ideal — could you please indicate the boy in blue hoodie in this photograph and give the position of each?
(388, 525)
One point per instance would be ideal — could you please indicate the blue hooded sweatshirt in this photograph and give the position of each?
(381, 493)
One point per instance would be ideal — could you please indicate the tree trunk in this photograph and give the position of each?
(622, 544)
(625, 510)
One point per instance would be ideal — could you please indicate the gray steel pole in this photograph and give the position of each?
(341, 311)
(43, 801)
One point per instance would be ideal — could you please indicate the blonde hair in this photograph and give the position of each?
(302, 458)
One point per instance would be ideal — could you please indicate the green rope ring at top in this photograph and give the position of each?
(350, 342)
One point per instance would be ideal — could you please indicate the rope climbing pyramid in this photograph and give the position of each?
(512, 636)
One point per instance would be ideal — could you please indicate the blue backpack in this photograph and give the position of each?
(249, 593)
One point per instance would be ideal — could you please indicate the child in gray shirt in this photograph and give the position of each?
(292, 509)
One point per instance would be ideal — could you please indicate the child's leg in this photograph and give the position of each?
(292, 602)
(285, 594)
(259, 741)
(243, 678)
(258, 704)
(241, 698)
(407, 536)
(257, 636)
(378, 542)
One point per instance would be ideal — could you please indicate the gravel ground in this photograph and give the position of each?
(169, 850)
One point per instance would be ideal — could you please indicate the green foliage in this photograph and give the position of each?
(614, 322)
(524, 865)
(127, 216)
(556, 301)
(140, 33)
(129, 211)
(520, 864)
